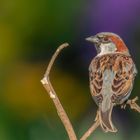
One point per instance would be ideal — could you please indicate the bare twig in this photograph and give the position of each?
(49, 88)
(92, 128)
(133, 104)
(60, 110)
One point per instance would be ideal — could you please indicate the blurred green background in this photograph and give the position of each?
(30, 31)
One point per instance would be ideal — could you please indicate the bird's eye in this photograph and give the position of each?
(105, 39)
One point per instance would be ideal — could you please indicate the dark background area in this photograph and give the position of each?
(30, 31)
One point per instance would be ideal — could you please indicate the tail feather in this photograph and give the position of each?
(106, 121)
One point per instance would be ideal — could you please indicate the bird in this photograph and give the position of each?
(111, 75)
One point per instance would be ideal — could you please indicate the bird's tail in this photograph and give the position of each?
(105, 118)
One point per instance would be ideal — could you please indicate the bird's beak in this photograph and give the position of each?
(93, 39)
(96, 41)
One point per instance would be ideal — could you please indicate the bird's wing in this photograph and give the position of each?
(125, 72)
(96, 78)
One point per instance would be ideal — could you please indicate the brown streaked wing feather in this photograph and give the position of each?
(123, 80)
(96, 70)
(95, 75)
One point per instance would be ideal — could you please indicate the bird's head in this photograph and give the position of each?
(106, 42)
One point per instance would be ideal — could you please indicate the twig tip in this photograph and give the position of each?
(64, 45)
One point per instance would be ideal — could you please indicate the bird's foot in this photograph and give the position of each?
(123, 106)
(133, 105)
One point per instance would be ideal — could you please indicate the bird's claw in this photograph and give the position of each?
(132, 102)
(123, 106)
(133, 105)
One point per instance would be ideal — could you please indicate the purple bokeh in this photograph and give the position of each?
(118, 16)
(115, 15)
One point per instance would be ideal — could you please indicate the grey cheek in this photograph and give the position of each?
(111, 48)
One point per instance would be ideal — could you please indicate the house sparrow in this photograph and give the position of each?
(111, 75)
